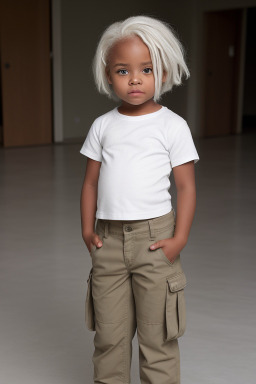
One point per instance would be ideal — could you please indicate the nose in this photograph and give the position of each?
(134, 80)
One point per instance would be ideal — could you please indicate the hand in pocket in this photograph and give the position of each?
(171, 247)
(92, 241)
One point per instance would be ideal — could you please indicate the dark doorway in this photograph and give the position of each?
(222, 56)
(249, 96)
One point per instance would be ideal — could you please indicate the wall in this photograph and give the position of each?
(82, 25)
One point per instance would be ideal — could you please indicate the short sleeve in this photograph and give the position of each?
(92, 147)
(181, 146)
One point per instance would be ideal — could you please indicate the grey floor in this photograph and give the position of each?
(45, 265)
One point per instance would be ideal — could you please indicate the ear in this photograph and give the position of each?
(107, 72)
(164, 76)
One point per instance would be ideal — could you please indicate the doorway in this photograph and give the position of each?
(222, 71)
(26, 81)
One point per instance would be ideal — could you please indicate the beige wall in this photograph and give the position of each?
(82, 25)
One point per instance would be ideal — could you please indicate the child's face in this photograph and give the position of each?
(130, 71)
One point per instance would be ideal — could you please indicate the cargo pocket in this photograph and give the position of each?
(89, 308)
(175, 312)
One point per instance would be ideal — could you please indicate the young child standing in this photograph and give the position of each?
(137, 281)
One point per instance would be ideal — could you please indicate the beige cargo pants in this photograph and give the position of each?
(133, 287)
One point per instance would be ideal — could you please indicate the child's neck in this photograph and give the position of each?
(137, 110)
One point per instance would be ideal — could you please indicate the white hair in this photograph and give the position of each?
(166, 51)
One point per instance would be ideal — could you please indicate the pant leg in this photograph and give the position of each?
(157, 310)
(114, 312)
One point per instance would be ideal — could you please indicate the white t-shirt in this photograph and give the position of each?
(137, 154)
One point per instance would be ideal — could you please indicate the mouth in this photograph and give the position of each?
(136, 91)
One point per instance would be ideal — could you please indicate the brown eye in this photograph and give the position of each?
(147, 70)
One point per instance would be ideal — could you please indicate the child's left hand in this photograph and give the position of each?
(171, 247)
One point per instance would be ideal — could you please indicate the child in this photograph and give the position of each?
(137, 281)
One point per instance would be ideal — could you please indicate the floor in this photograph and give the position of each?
(44, 267)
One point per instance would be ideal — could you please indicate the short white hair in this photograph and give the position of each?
(166, 51)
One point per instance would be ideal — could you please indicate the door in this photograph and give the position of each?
(222, 40)
(26, 72)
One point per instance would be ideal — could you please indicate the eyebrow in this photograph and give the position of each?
(127, 65)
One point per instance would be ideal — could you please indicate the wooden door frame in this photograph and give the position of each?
(27, 88)
(56, 56)
(57, 71)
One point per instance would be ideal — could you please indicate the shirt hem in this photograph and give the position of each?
(133, 216)
(90, 155)
(185, 160)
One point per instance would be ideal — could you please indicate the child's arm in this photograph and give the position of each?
(88, 202)
(184, 176)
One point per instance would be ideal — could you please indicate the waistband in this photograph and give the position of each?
(121, 227)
